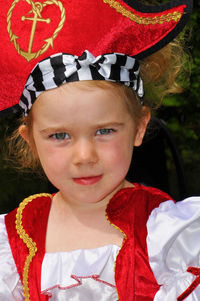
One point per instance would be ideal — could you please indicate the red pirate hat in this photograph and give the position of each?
(31, 31)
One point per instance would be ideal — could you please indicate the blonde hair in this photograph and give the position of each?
(160, 72)
(20, 154)
(165, 72)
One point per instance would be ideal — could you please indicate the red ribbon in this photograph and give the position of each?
(193, 285)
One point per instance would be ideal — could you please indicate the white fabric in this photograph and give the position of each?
(81, 275)
(62, 67)
(10, 285)
(77, 275)
(174, 245)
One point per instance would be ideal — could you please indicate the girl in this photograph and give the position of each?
(83, 116)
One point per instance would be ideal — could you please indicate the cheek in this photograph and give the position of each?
(118, 154)
(52, 159)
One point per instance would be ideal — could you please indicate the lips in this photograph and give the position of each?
(87, 180)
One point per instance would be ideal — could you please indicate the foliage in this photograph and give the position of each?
(182, 112)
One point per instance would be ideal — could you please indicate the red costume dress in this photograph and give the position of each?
(128, 210)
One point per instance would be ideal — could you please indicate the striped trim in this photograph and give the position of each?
(61, 68)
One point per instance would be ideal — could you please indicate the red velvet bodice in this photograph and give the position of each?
(128, 210)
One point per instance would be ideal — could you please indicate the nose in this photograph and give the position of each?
(85, 152)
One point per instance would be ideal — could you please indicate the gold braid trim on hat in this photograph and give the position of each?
(174, 16)
(31, 245)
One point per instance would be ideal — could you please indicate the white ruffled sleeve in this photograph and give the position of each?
(173, 243)
(10, 284)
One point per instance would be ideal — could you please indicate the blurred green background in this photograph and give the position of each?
(181, 114)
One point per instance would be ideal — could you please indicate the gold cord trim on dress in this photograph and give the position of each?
(123, 242)
(174, 16)
(31, 245)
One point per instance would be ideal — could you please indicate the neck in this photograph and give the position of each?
(84, 207)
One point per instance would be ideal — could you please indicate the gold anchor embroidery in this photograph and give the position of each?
(36, 10)
(37, 17)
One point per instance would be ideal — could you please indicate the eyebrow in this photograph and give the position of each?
(53, 129)
(96, 126)
(109, 124)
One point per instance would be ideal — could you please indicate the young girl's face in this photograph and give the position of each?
(84, 139)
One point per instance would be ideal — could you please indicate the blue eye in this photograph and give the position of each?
(104, 131)
(59, 136)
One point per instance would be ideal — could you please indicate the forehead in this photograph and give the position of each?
(80, 100)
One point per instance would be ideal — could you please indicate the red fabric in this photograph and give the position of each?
(193, 285)
(74, 26)
(129, 210)
(34, 221)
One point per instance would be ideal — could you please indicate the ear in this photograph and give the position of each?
(23, 130)
(25, 134)
(142, 126)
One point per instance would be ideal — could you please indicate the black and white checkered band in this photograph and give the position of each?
(62, 68)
